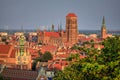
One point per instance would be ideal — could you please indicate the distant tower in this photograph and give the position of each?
(52, 28)
(23, 57)
(71, 28)
(103, 29)
(58, 28)
(38, 34)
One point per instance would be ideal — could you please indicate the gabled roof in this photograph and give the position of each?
(52, 34)
(21, 74)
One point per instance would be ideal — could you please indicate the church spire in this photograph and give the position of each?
(103, 23)
(103, 29)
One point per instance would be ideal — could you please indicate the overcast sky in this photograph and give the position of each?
(33, 14)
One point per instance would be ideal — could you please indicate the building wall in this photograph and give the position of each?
(24, 60)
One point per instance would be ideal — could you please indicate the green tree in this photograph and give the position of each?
(1, 77)
(96, 66)
(46, 56)
(39, 53)
(34, 65)
(73, 56)
(75, 47)
(4, 39)
(92, 42)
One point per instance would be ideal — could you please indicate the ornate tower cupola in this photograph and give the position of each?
(71, 28)
(103, 29)
(23, 57)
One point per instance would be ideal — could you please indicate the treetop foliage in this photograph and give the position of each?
(98, 65)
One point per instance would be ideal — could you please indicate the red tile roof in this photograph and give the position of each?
(4, 49)
(48, 48)
(33, 52)
(21, 74)
(58, 66)
(13, 53)
(71, 15)
(52, 34)
(62, 56)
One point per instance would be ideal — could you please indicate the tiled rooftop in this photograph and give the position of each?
(4, 49)
(52, 34)
(23, 74)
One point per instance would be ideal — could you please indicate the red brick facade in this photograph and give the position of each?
(61, 37)
(71, 28)
(103, 33)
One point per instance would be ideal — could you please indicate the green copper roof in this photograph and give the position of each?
(103, 23)
(21, 43)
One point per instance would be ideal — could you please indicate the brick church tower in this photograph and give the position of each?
(71, 28)
(103, 29)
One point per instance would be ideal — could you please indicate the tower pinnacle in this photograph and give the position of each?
(103, 22)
